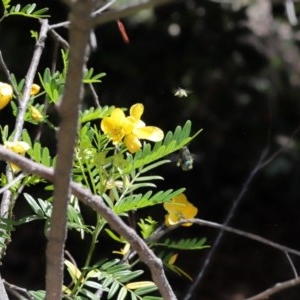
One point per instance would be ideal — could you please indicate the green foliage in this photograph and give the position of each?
(112, 278)
(184, 244)
(134, 202)
(147, 227)
(6, 227)
(89, 76)
(38, 295)
(38, 153)
(95, 113)
(53, 85)
(6, 4)
(28, 11)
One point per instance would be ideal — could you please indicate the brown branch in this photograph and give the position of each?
(79, 31)
(97, 203)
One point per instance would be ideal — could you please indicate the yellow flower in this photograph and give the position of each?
(179, 208)
(35, 88)
(140, 130)
(6, 93)
(116, 126)
(19, 148)
(35, 114)
(124, 250)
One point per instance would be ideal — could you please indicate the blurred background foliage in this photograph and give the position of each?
(240, 62)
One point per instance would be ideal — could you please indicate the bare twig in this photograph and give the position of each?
(3, 294)
(23, 103)
(157, 235)
(105, 6)
(291, 264)
(116, 223)
(17, 291)
(127, 11)
(101, 17)
(278, 287)
(8, 75)
(290, 12)
(12, 183)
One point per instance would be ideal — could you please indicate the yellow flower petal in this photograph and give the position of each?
(150, 133)
(116, 126)
(132, 143)
(35, 88)
(179, 208)
(136, 111)
(173, 259)
(18, 147)
(172, 219)
(177, 203)
(117, 115)
(6, 93)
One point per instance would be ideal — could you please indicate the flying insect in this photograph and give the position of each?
(185, 159)
(180, 93)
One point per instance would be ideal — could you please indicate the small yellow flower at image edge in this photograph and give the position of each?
(179, 208)
(6, 94)
(18, 147)
(131, 128)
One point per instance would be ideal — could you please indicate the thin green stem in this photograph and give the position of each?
(80, 282)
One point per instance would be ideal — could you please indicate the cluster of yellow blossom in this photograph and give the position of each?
(130, 129)
(179, 208)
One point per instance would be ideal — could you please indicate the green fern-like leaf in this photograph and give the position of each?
(95, 113)
(89, 76)
(28, 11)
(6, 4)
(38, 153)
(184, 244)
(133, 202)
(38, 295)
(53, 84)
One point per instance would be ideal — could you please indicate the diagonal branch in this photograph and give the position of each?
(97, 203)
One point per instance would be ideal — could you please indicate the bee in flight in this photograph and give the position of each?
(185, 159)
(180, 93)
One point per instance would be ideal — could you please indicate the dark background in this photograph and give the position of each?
(244, 94)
